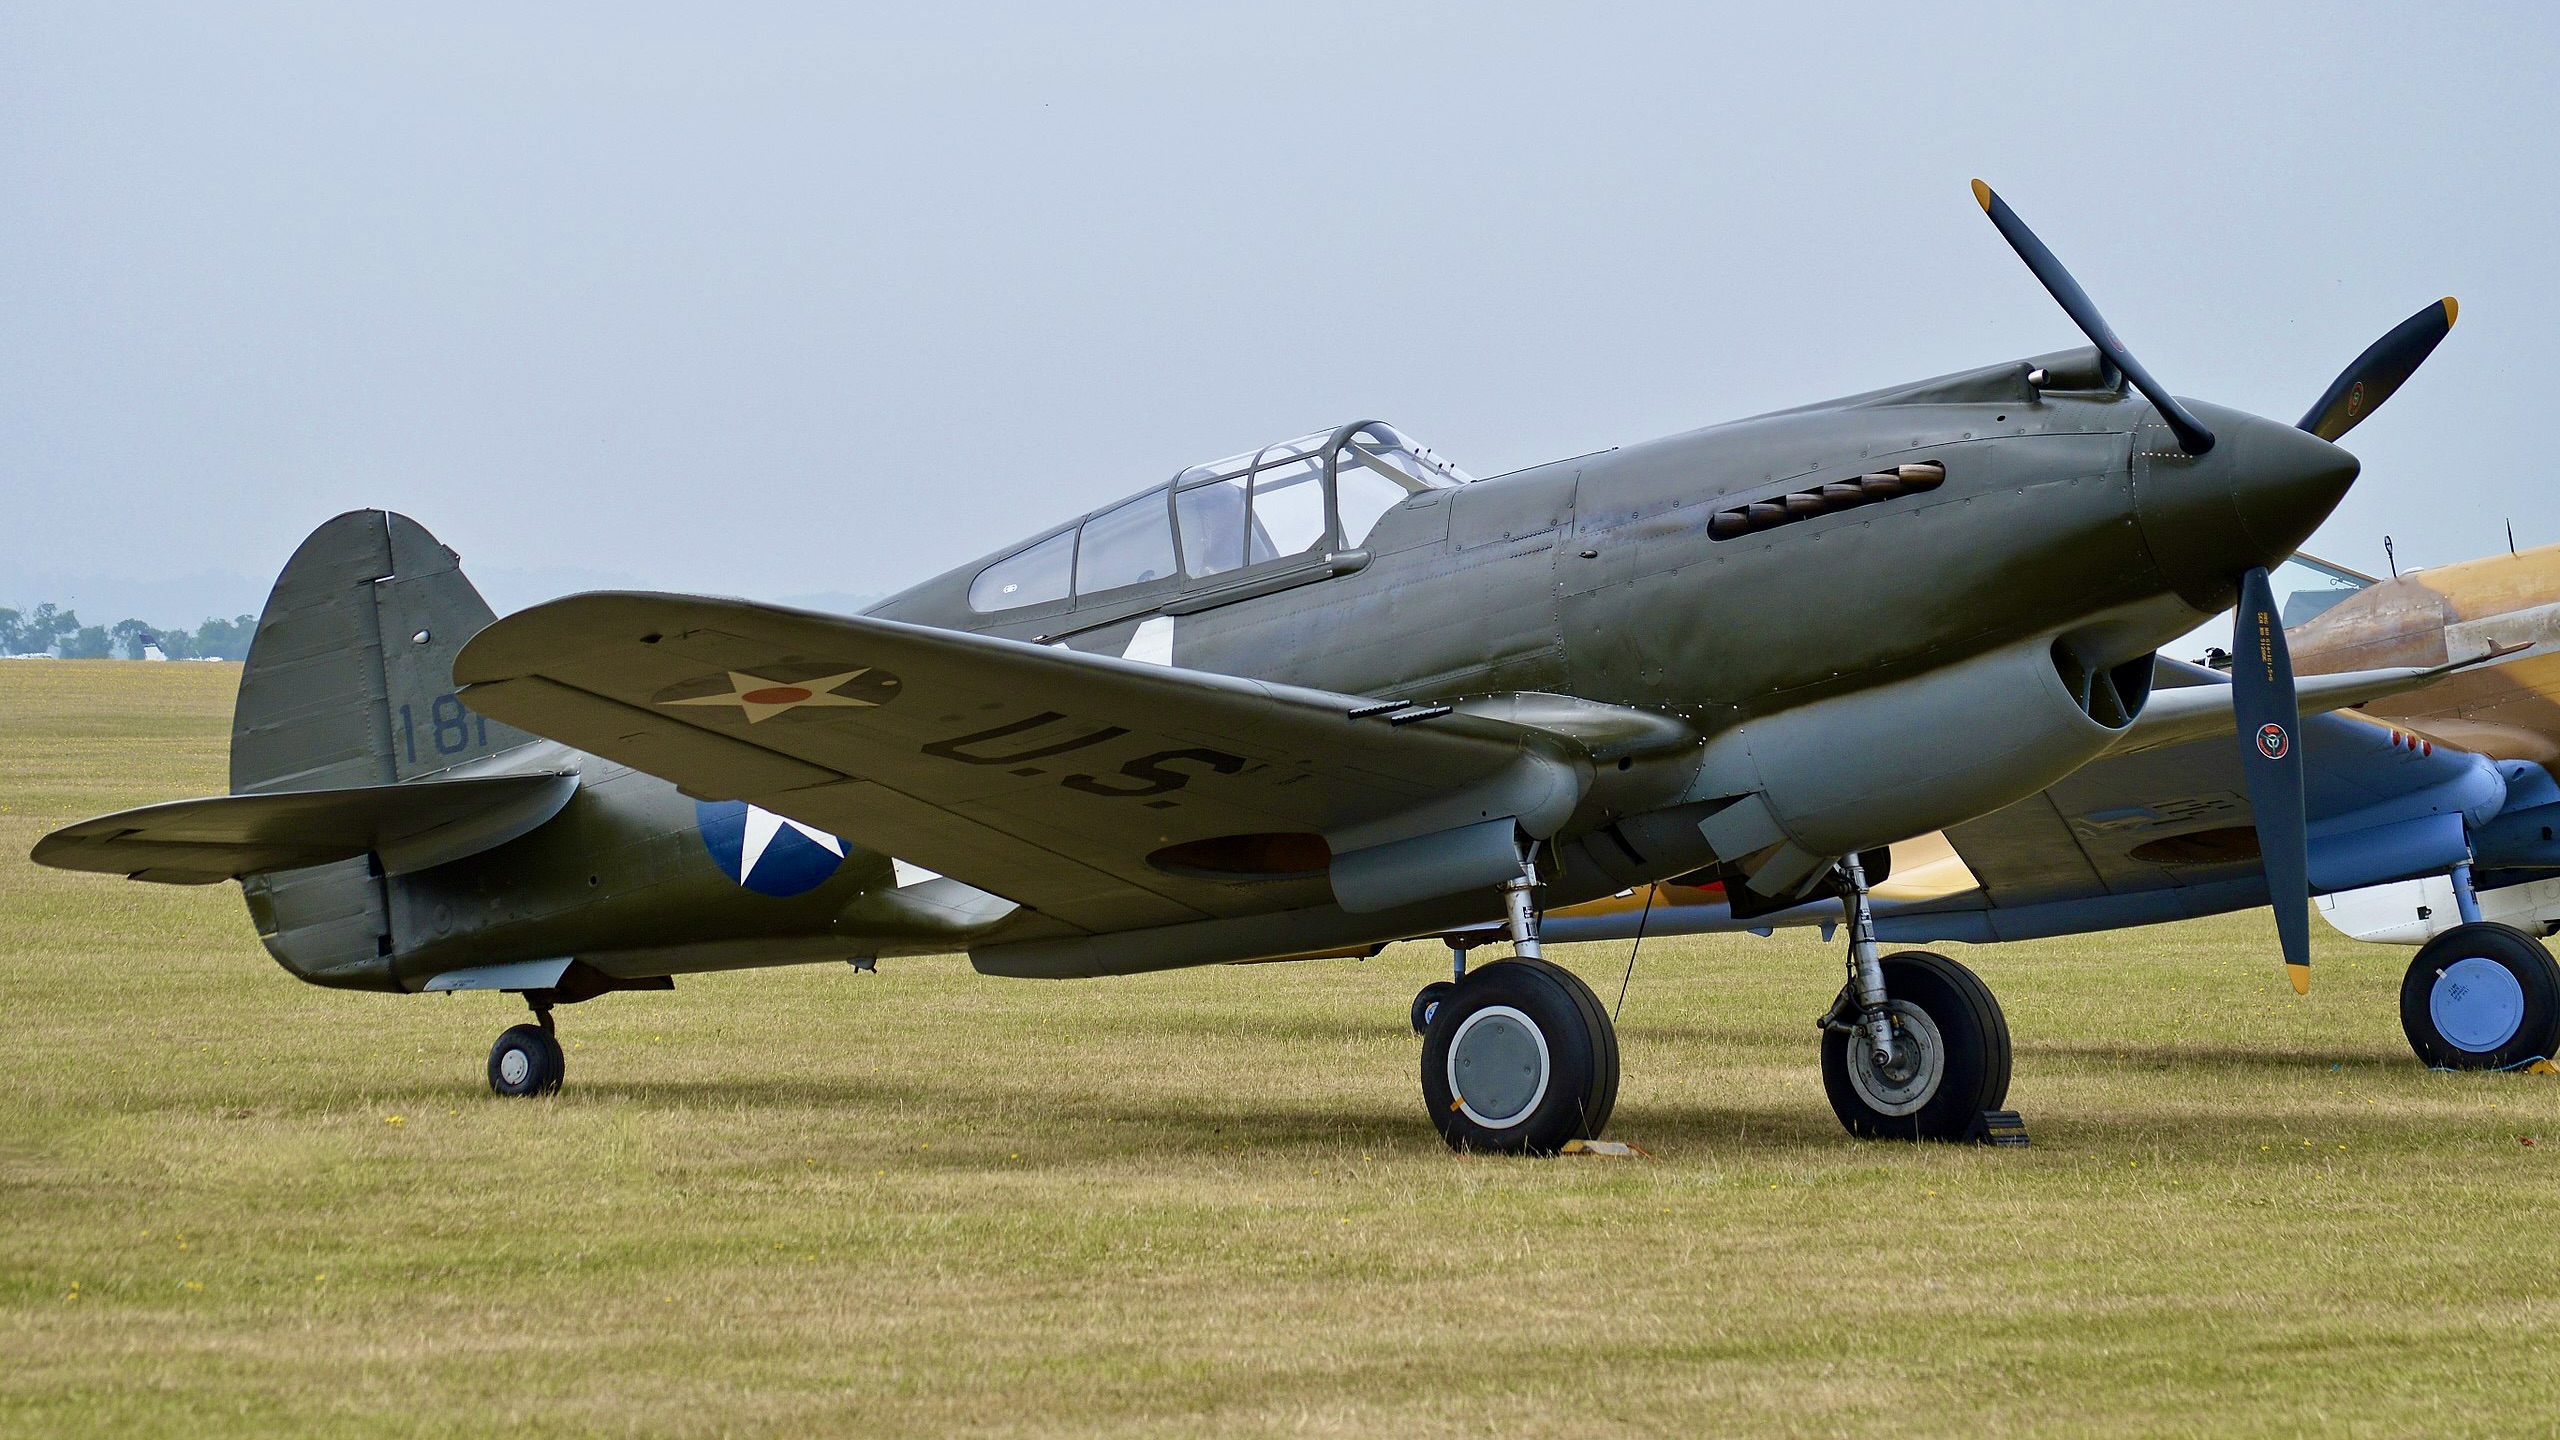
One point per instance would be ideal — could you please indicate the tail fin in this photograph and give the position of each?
(349, 683)
(349, 680)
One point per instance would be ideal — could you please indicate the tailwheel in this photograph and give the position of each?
(1518, 1059)
(1949, 1062)
(1426, 1003)
(2481, 996)
(527, 1061)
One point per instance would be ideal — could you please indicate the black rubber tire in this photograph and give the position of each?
(1604, 1095)
(1425, 999)
(1581, 1049)
(1976, 1038)
(2537, 1033)
(544, 1068)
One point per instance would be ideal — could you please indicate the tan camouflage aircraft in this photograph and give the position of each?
(1307, 700)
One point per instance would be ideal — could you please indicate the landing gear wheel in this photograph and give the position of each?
(1604, 1094)
(1951, 1059)
(2481, 996)
(1519, 1059)
(526, 1061)
(1427, 1003)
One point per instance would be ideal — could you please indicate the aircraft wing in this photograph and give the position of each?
(2165, 833)
(1077, 785)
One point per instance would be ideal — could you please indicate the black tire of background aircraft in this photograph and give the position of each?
(1976, 1033)
(2536, 1038)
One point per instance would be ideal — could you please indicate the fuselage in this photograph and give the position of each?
(1731, 580)
(1599, 577)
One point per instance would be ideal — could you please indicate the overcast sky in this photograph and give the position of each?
(777, 300)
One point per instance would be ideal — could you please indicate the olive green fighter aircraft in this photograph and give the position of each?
(1320, 696)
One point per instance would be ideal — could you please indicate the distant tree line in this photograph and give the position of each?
(52, 630)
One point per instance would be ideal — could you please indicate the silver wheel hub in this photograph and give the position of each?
(1919, 1063)
(515, 1065)
(2476, 1004)
(1498, 1067)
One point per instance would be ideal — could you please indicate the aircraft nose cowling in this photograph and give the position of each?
(2249, 501)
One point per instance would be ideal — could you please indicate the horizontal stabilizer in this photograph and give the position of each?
(223, 837)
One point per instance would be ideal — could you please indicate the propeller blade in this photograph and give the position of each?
(2192, 436)
(2262, 700)
(2361, 388)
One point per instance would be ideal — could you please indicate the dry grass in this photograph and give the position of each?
(923, 1201)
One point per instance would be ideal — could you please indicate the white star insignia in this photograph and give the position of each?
(763, 699)
(763, 825)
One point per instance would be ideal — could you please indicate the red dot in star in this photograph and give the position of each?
(776, 695)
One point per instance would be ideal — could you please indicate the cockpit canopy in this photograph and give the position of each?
(1279, 501)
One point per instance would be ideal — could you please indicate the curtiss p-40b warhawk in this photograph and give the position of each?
(1302, 702)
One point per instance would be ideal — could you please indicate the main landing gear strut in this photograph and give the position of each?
(1915, 1047)
(1518, 1056)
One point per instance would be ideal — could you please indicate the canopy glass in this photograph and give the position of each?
(1325, 490)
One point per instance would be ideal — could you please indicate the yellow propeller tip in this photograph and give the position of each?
(1982, 196)
(2452, 311)
(2300, 975)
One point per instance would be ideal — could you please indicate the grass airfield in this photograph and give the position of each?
(814, 1202)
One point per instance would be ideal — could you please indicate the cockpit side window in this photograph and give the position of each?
(1129, 544)
(1034, 577)
(1212, 519)
(1288, 506)
(2306, 586)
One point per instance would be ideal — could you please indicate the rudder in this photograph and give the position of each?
(349, 679)
(349, 682)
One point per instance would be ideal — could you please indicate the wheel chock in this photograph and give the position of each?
(1998, 1127)
(1606, 1149)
